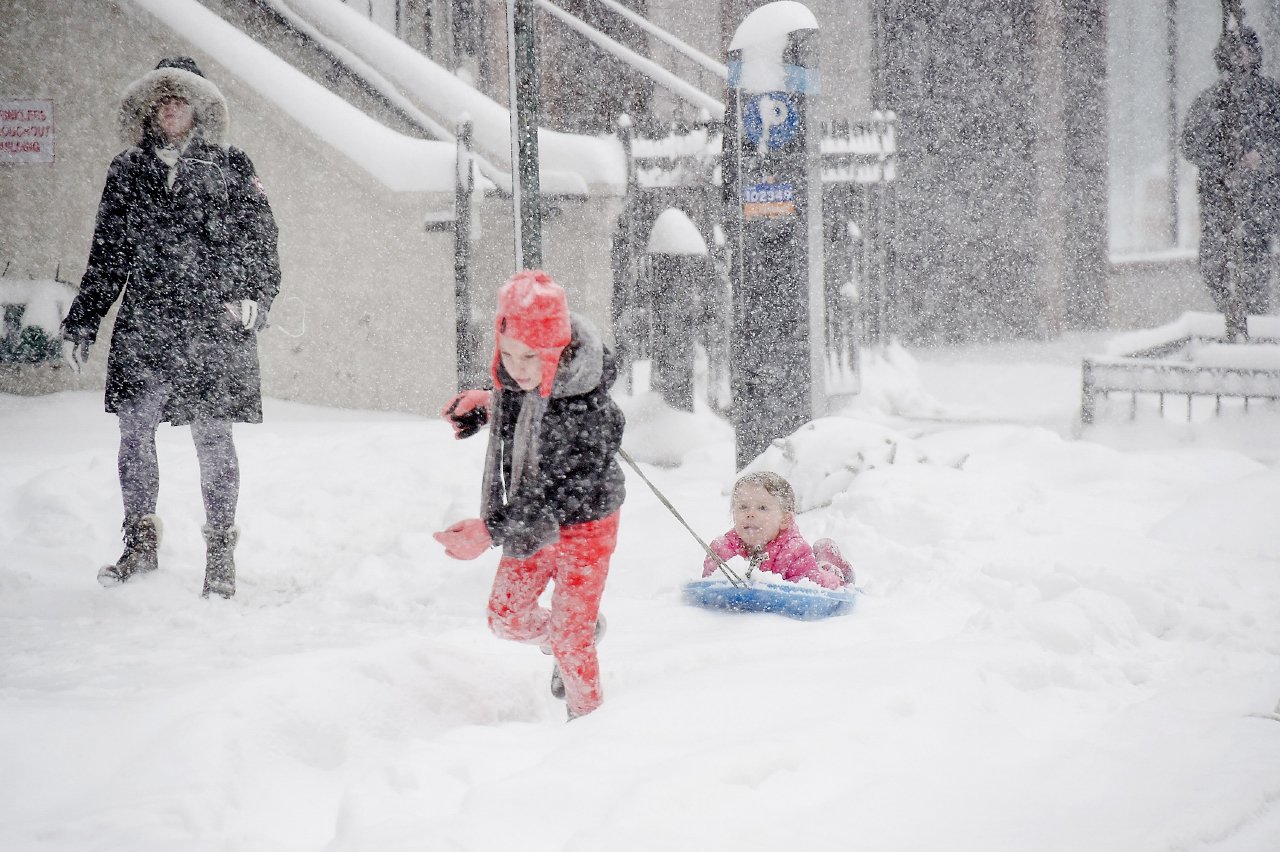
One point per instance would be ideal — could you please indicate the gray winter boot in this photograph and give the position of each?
(141, 535)
(557, 680)
(220, 564)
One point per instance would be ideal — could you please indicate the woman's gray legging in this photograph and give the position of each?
(140, 470)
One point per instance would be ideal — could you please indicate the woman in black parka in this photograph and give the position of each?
(185, 231)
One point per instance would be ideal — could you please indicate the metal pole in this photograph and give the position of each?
(515, 133)
(522, 79)
(464, 185)
(624, 310)
(1235, 319)
(1171, 80)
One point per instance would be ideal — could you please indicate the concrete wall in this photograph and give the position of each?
(1147, 292)
(365, 318)
(575, 251)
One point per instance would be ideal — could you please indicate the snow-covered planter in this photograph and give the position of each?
(1191, 356)
(32, 312)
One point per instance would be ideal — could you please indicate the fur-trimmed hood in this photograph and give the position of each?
(140, 98)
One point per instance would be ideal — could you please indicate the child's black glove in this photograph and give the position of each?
(467, 412)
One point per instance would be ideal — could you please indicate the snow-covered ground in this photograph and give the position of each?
(1065, 642)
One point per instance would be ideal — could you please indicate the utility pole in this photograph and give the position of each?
(522, 80)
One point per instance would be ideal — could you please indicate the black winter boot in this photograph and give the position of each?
(141, 535)
(220, 564)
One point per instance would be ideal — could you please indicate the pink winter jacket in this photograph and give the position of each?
(788, 556)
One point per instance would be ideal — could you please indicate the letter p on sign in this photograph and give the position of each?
(773, 114)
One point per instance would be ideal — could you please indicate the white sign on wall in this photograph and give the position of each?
(26, 131)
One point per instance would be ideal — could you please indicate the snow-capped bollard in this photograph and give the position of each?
(678, 276)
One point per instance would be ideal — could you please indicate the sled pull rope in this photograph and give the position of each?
(733, 578)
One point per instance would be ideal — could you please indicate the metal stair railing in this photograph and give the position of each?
(691, 53)
(671, 82)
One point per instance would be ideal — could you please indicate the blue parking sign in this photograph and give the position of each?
(770, 120)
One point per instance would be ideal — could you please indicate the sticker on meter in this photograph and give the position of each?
(768, 200)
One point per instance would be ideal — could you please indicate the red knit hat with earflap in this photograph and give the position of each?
(533, 309)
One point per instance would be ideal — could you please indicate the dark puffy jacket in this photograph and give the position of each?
(1246, 107)
(578, 478)
(179, 254)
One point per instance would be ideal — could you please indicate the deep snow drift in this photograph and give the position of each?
(1063, 644)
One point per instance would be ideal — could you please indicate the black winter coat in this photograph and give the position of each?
(578, 478)
(179, 255)
(1248, 106)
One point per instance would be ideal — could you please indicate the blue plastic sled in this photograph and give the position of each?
(806, 603)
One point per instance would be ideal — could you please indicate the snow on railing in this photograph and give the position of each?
(570, 163)
(1192, 356)
(860, 151)
(367, 73)
(400, 162)
(850, 151)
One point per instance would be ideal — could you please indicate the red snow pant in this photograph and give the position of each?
(579, 564)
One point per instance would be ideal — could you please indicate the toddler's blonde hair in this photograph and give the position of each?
(771, 483)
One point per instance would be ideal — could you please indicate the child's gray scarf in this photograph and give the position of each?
(580, 375)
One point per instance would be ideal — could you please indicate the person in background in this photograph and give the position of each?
(763, 506)
(1232, 133)
(185, 232)
(552, 486)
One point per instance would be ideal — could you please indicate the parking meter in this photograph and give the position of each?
(773, 216)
